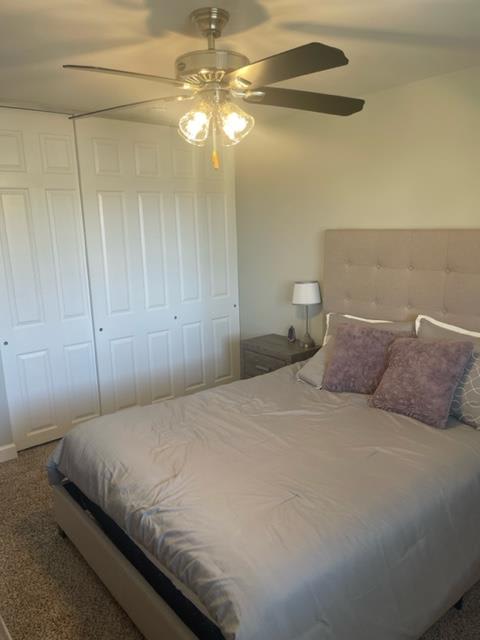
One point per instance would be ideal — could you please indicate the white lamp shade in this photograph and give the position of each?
(306, 293)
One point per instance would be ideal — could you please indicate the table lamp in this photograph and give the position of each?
(306, 293)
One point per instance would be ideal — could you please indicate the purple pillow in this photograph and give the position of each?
(358, 359)
(421, 378)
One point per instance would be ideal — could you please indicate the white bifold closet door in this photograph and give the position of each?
(161, 243)
(45, 321)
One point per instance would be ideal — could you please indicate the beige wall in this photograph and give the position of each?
(410, 159)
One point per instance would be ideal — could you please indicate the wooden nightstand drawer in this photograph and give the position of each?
(267, 353)
(257, 363)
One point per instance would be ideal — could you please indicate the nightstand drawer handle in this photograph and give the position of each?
(261, 367)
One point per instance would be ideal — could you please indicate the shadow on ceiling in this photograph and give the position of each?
(385, 36)
(42, 35)
(47, 34)
(167, 16)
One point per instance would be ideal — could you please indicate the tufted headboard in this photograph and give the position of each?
(397, 274)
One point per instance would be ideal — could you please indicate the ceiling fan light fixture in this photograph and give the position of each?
(214, 113)
(234, 122)
(194, 126)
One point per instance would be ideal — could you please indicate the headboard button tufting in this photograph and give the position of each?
(434, 271)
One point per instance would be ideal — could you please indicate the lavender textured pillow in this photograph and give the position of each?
(314, 369)
(358, 359)
(421, 378)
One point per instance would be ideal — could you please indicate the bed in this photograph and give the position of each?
(270, 509)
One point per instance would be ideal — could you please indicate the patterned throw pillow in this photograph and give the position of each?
(466, 402)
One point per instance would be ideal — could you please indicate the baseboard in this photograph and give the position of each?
(8, 452)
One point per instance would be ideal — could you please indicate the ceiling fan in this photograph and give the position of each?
(212, 78)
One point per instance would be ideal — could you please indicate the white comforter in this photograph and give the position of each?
(291, 513)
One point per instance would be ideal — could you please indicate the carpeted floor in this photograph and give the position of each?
(47, 592)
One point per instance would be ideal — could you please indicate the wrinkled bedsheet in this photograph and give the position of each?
(290, 512)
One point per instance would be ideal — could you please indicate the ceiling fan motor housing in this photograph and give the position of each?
(208, 65)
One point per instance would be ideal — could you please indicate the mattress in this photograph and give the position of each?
(186, 608)
(289, 512)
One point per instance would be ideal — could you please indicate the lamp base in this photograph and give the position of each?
(307, 341)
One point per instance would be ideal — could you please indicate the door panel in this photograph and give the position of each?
(223, 351)
(160, 365)
(122, 356)
(112, 217)
(68, 250)
(12, 156)
(57, 153)
(81, 370)
(193, 343)
(35, 373)
(188, 242)
(218, 242)
(162, 258)
(20, 258)
(45, 319)
(151, 212)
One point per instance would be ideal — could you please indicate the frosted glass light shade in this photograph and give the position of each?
(306, 293)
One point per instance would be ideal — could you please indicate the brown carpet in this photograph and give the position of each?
(47, 591)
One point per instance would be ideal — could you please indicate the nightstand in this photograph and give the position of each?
(267, 353)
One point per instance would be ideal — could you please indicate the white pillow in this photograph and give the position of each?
(346, 315)
(444, 325)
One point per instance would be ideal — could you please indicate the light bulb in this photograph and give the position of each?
(195, 124)
(215, 113)
(234, 122)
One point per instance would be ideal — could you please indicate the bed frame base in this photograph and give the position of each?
(153, 617)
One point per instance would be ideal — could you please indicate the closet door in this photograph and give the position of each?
(45, 321)
(160, 228)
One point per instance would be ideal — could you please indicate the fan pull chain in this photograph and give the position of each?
(215, 156)
(215, 159)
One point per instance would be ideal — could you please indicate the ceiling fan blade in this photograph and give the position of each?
(307, 101)
(131, 74)
(308, 58)
(77, 116)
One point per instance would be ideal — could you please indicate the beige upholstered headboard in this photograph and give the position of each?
(397, 274)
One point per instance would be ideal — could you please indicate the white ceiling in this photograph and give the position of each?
(388, 42)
